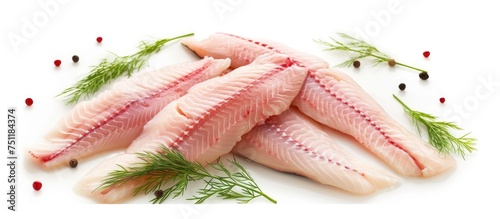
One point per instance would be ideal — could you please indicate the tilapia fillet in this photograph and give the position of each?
(244, 51)
(357, 114)
(293, 142)
(116, 117)
(207, 122)
(334, 99)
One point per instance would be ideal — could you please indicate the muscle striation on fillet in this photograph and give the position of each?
(334, 99)
(116, 117)
(207, 122)
(293, 142)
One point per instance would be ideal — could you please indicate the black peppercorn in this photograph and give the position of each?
(402, 86)
(356, 64)
(75, 58)
(159, 193)
(423, 75)
(73, 163)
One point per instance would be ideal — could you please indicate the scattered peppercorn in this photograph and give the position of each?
(392, 62)
(159, 193)
(57, 62)
(442, 99)
(28, 101)
(402, 86)
(426, 54)
(99, 39)
(73, 163)
(37, 185)
(423, 75)
(75, 58)
(356, 64)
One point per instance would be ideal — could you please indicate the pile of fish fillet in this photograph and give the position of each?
(255, 98)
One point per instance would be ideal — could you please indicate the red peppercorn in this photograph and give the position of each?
(442, 99)
(426, 54)
(37, 185)
(99, 39)
(28, 101)
(57, 62)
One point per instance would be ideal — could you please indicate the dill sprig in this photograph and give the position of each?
(362, 50)
(438, 132)
(107, 71)
(170, 166)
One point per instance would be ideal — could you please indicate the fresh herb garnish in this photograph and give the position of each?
(362, 50)
(157, 169)
(438, 132)
(107, 71)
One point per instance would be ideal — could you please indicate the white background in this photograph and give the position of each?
(462, 37)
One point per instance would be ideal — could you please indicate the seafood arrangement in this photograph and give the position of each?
(255, 98)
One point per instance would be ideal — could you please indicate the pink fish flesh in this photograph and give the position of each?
(293, 142)
(117, 116)
(334, 99)
(207, 122)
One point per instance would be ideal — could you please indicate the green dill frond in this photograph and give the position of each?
(359, 50)
(439, 132)
(107, 71)
(170, 167)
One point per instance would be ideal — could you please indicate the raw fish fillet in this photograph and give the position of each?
(336, 100)
(293, 142)
(243, 51)
(208, 121)
(117, 116)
